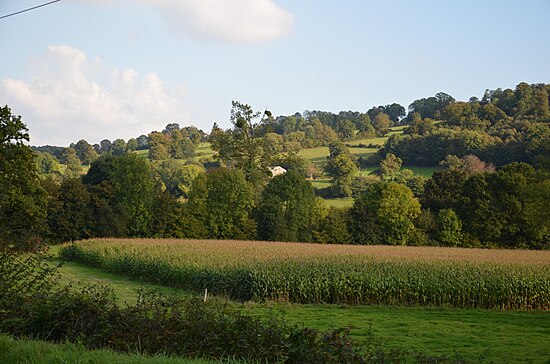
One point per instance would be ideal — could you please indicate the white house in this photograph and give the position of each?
(276, 171)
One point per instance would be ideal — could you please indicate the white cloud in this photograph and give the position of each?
(234, 21)
(70, 98)
(239, 21)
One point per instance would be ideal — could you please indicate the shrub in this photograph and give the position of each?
(156, 324)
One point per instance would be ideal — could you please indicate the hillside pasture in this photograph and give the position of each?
(315, 273)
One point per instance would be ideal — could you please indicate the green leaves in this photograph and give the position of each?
(22, 200)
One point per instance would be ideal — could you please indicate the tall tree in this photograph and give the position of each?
(384, 214)
(118, 147)
(389, 167)
(69, 212)
(222, 201)
(242, 147)
(85, 152)
(342, 169)
(287, 209)
(22, 200)
(381, 124)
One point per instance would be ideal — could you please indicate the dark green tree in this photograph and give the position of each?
(222, 201)
(335, 227)
(118, 147)
(287, 209)
(343, 170)
(85, 152)
(69, 212)
(22, 199)
(47, 164)
(105, 146)
(444, 190)
(134, 189)
(449, 228)
(384, 214)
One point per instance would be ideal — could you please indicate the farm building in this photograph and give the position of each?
(277, 171)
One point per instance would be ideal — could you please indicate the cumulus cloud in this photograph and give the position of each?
(70, 98)
(234, 21)
(240, 21)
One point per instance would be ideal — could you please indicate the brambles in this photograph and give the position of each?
(311, 273)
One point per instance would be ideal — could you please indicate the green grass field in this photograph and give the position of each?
(339, 202)
(40, 352)
(142, 152)
(497, 336)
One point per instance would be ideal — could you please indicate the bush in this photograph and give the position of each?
(31, 306)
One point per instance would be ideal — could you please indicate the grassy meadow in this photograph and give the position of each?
(494, 335)
(40, 352)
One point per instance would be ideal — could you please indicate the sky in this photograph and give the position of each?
(108, 69)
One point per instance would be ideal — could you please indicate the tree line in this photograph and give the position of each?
(473, 200)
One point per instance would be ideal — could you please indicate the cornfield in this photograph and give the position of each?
(314, 273)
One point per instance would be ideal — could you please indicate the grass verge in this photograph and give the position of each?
(40, 352)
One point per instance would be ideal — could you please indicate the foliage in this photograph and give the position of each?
(384, 214)
(449, 228)
(334, 227)
(341, 168)
(381, 124)
(22, 200)
(70, 158)
(156, 324)
(495, 208)
(175, 177)
(222, 201)
(288, 209)
(47, 164)
(243, 147)
(85, 152)
(389, 167)
(69, 212)
(118, 147)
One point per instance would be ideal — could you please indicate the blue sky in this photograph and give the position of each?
(97, 69)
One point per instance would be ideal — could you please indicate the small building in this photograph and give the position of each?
(276, 171)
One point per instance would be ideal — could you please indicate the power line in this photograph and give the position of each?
(29, 9)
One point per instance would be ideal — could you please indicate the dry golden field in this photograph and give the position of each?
(232, 251)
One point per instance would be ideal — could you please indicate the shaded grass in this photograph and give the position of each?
(125, 288)
(423, 171)
(38, 352)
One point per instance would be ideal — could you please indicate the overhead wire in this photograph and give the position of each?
(29, 9)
